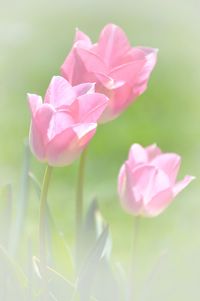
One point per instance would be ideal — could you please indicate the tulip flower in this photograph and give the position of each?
(64, 124)
(120, 71)
(147, 180)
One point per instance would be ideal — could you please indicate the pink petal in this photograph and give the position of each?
(67, 146)
(158, 203)
(92, 62)
(60, 121)
(89, 107)
(137, 155)
(87, 88)
(67, 68)
(178, 187)
(35, 101)
(152, 151)
(39, 130)
(81, 36)
(85, 132)
(108, 82)
(112, 44)
(129, 72)
(120, 98)
(59, 92)
(149, 181)
(169, 163)
(150, 61)
(129, 197)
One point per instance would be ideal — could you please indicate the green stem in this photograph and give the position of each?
(79, 192)
(42, 222)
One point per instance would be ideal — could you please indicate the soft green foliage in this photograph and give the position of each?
(35, 38)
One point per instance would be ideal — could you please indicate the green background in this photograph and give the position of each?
(35, 37)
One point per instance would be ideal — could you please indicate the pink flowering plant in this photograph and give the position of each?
(97, 83)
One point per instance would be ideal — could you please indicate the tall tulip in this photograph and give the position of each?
(120, 71)
(65, 122)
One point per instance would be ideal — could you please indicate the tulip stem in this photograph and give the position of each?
(42, 225)
(131, 294)
(79, 192)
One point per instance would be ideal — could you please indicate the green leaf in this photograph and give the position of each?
(90, 266)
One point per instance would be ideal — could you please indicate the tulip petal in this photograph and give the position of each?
(129, 196)
(87, 88)
(149, 181)
(59, 92)
(35, 101)
(137, 155)
(178, 187)
(129, 72)
(89, 107)
(67, 146)
(169, 163)
(113, 43)
(152, 151)
(92, 62)
(60, 121)
(81, 36)
(39, 130)
(150, 61)
(158, 203)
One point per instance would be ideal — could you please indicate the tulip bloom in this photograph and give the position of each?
(147, 180)
(120, 71)
(64, 124)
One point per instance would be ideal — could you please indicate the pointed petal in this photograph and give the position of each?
(137, 155)
(113, 44)
(169, 163)
(143, 78)
(89, 107)
(59, 92)
(152, 151)
(81, 36)
(35, 101)
(178, 187)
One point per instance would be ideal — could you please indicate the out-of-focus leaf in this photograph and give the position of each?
(106, 287)
(88, 234)
(13, 281)
(5, 214)
(59, 288)
(90, 267)
(22, 203)
(92, 228)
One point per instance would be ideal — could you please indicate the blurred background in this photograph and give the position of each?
(35, 37)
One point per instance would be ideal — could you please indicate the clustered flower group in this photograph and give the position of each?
(97, 83)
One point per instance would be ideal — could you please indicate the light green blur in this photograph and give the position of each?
(35, 37)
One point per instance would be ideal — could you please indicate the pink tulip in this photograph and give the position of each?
(120, 71)
(64, 124)
(147, 180)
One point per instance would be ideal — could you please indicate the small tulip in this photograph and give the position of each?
(64, 124)
(147, 180)
(120, 71)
